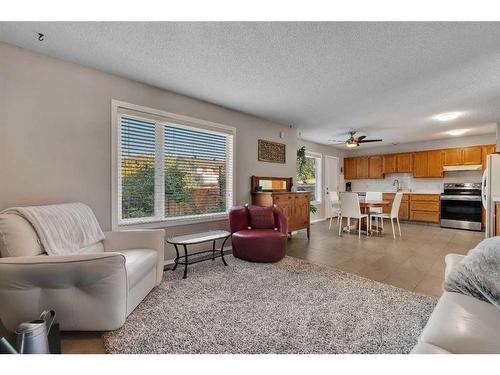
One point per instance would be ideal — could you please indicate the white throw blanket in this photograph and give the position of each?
(478, 274)
(62, 228)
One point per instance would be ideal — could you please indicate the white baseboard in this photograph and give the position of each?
(318, 220)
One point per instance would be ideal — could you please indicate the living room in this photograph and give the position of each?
(167, 184)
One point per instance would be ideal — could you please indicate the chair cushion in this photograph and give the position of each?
(259, 245)
(17, 237)
(138, 263)
(463, 324)
(261, 217)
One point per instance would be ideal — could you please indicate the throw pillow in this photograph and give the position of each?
(261, 217)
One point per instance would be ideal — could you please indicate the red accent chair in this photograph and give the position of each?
(261, 243)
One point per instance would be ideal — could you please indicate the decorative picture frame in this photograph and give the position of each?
(272, 152)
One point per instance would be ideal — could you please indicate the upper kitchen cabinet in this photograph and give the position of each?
(350, 168)
(461, 156)
(404, 163)
(472, 155)
(375, 167)
(420, 164)
(362, 167)
(487, 150)
(452, 156)
(434, 163)
(427, 164)
(389, 163)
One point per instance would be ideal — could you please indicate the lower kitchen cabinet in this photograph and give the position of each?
(417, 207)
(425, 207)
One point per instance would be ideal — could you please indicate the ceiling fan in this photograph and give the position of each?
(352, 141)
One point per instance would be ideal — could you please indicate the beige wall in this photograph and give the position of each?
(323, 150)
(55, 134)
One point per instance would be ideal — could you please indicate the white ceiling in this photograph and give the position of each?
(386, 80)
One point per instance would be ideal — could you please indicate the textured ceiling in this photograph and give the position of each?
(384, 79)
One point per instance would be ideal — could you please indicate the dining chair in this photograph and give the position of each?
(394, 214)
(349, 206)
(374, 196)
(335, 207)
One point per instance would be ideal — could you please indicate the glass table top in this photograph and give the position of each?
(194, 238)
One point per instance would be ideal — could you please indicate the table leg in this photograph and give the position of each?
(176, 257)
(222, 251)
(185, 261)
(213, 251)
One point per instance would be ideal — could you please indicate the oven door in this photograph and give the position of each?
(463, 212)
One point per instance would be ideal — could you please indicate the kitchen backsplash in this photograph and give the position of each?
(409, 183)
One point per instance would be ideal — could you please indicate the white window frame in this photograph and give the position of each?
(319, 175)
(119, 109)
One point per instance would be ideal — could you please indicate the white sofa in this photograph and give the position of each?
(90, 292)
(460, 324)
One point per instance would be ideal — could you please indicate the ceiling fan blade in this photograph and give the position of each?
(361, 138)
(370, 140)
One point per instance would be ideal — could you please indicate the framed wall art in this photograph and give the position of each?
(272, 152)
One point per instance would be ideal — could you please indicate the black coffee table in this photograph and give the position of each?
(200, 256)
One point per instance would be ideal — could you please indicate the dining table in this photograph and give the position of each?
(365, 205)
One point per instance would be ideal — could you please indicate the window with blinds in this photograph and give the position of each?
(138, 151)
(171, 171)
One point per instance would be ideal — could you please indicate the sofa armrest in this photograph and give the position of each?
(88, 291)
(451, 261)
(153, 239)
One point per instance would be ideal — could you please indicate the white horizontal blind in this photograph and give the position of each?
(195, 172)
(170, 171)
(137, 168)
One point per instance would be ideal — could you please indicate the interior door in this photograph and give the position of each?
(331, 181)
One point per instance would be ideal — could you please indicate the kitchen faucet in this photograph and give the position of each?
(397, 185)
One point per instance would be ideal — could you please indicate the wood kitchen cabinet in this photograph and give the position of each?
(434, 163)
(389, 163)
(423, 164)
(487, 150)
(425, 207)
(420, 164)
(362, 167)
(375, 167)
(404, 163)
(460, 156)
(452, 156)
(472, 155)
(350, 169)
(427, 164)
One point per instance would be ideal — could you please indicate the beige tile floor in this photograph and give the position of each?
(414, 262)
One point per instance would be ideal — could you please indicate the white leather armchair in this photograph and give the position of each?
(90, 292)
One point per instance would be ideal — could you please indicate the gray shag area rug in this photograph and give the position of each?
(287, 307)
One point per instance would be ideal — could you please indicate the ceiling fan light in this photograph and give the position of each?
(351, 144)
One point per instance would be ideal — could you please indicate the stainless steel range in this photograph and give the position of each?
(461, 206)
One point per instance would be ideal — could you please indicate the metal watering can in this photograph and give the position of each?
(32, 337)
